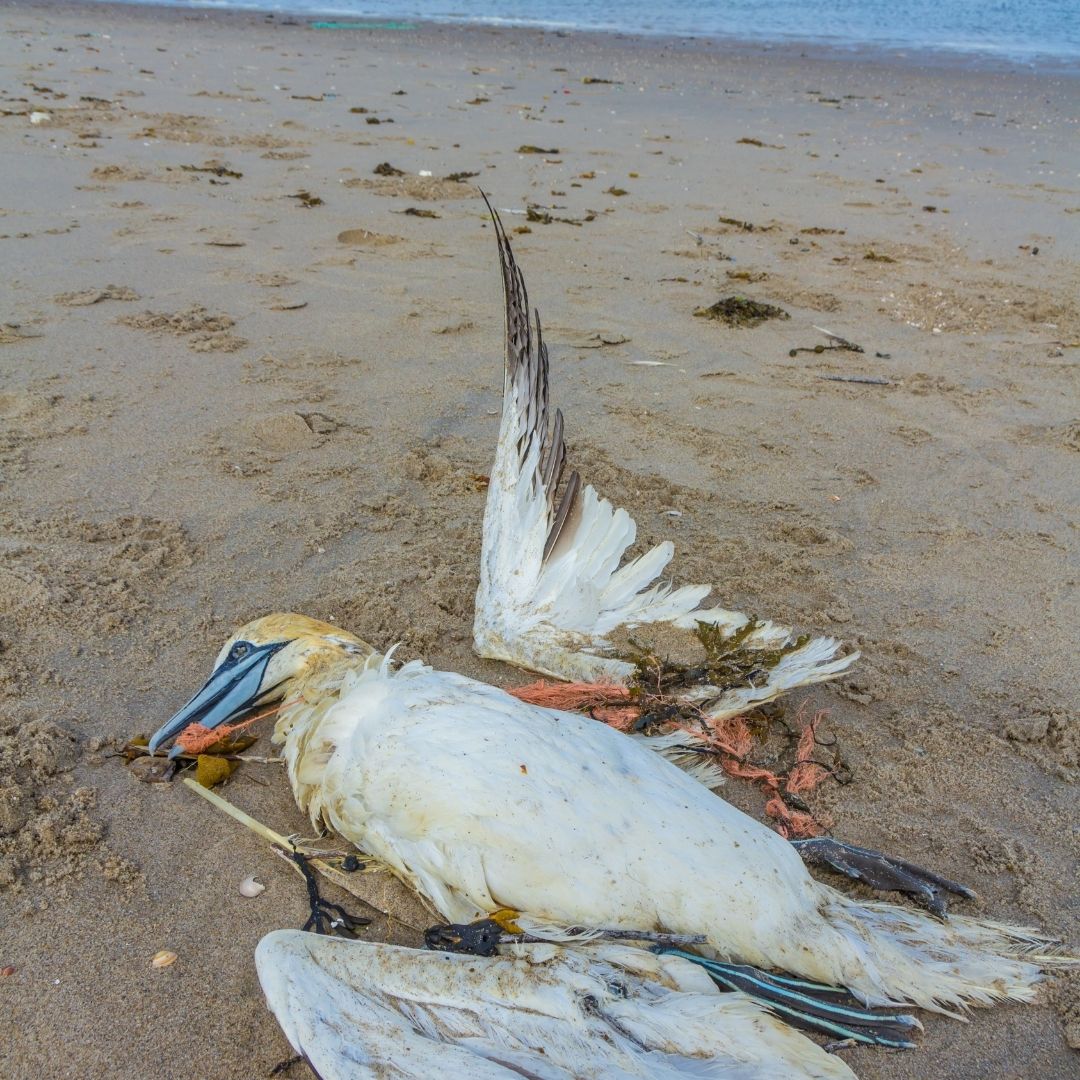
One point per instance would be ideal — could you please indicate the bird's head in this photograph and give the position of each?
(256, 667)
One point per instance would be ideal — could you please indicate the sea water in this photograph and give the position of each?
(1013, 29)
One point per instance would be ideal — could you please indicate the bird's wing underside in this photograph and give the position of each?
(553, 585)
(357, 1010)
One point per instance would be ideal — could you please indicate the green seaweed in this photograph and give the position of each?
(539, 216)
(741, 311)
(659, 683)
(748, 141)
(215, 168)
(745, 226)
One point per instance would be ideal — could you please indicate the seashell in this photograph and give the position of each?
(250, 887)
(163, 959)
(40, 117)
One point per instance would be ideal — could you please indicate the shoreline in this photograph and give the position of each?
(899, 56)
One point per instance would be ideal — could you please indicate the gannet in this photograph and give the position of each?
(483, 802)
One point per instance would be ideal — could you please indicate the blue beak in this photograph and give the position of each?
(233, 688)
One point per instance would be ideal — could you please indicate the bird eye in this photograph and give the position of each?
(239, 650)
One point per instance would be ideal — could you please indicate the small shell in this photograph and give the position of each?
(250, 887)
(163, 959)
(40, 117)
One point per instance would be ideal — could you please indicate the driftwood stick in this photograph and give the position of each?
(869, 380)
(285, 846)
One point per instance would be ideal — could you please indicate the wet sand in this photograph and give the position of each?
(238, 375)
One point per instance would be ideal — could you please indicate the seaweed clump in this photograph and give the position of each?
(660, 684)
(741, 311)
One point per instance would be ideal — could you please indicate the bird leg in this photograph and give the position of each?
(481, 938)
(325, 917)
(882, 872)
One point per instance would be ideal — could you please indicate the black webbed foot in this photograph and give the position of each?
(479, 938)
(882, 872)
(325, 918)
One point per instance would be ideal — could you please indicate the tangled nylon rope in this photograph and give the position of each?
(610, 702)
(197, 738)
(733, 738)
(730, 738)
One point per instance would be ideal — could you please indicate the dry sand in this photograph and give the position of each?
(219, 401)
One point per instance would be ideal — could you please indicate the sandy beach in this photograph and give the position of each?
(250, 360)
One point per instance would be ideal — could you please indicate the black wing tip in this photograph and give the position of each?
(553, 452)
(567, 507)
(809, 1005)
(500, 228)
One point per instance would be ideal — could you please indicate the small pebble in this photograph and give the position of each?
(163, 959)
(250, 887)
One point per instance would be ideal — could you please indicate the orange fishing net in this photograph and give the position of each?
(733, 738)
(572, 696)
(609, 702)
(197, 739)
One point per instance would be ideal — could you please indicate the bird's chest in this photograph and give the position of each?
(423, 766)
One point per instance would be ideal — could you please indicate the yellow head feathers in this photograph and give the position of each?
(288, 626)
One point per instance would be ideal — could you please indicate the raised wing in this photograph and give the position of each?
(553, 586)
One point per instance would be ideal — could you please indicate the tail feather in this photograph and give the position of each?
(885, 953)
